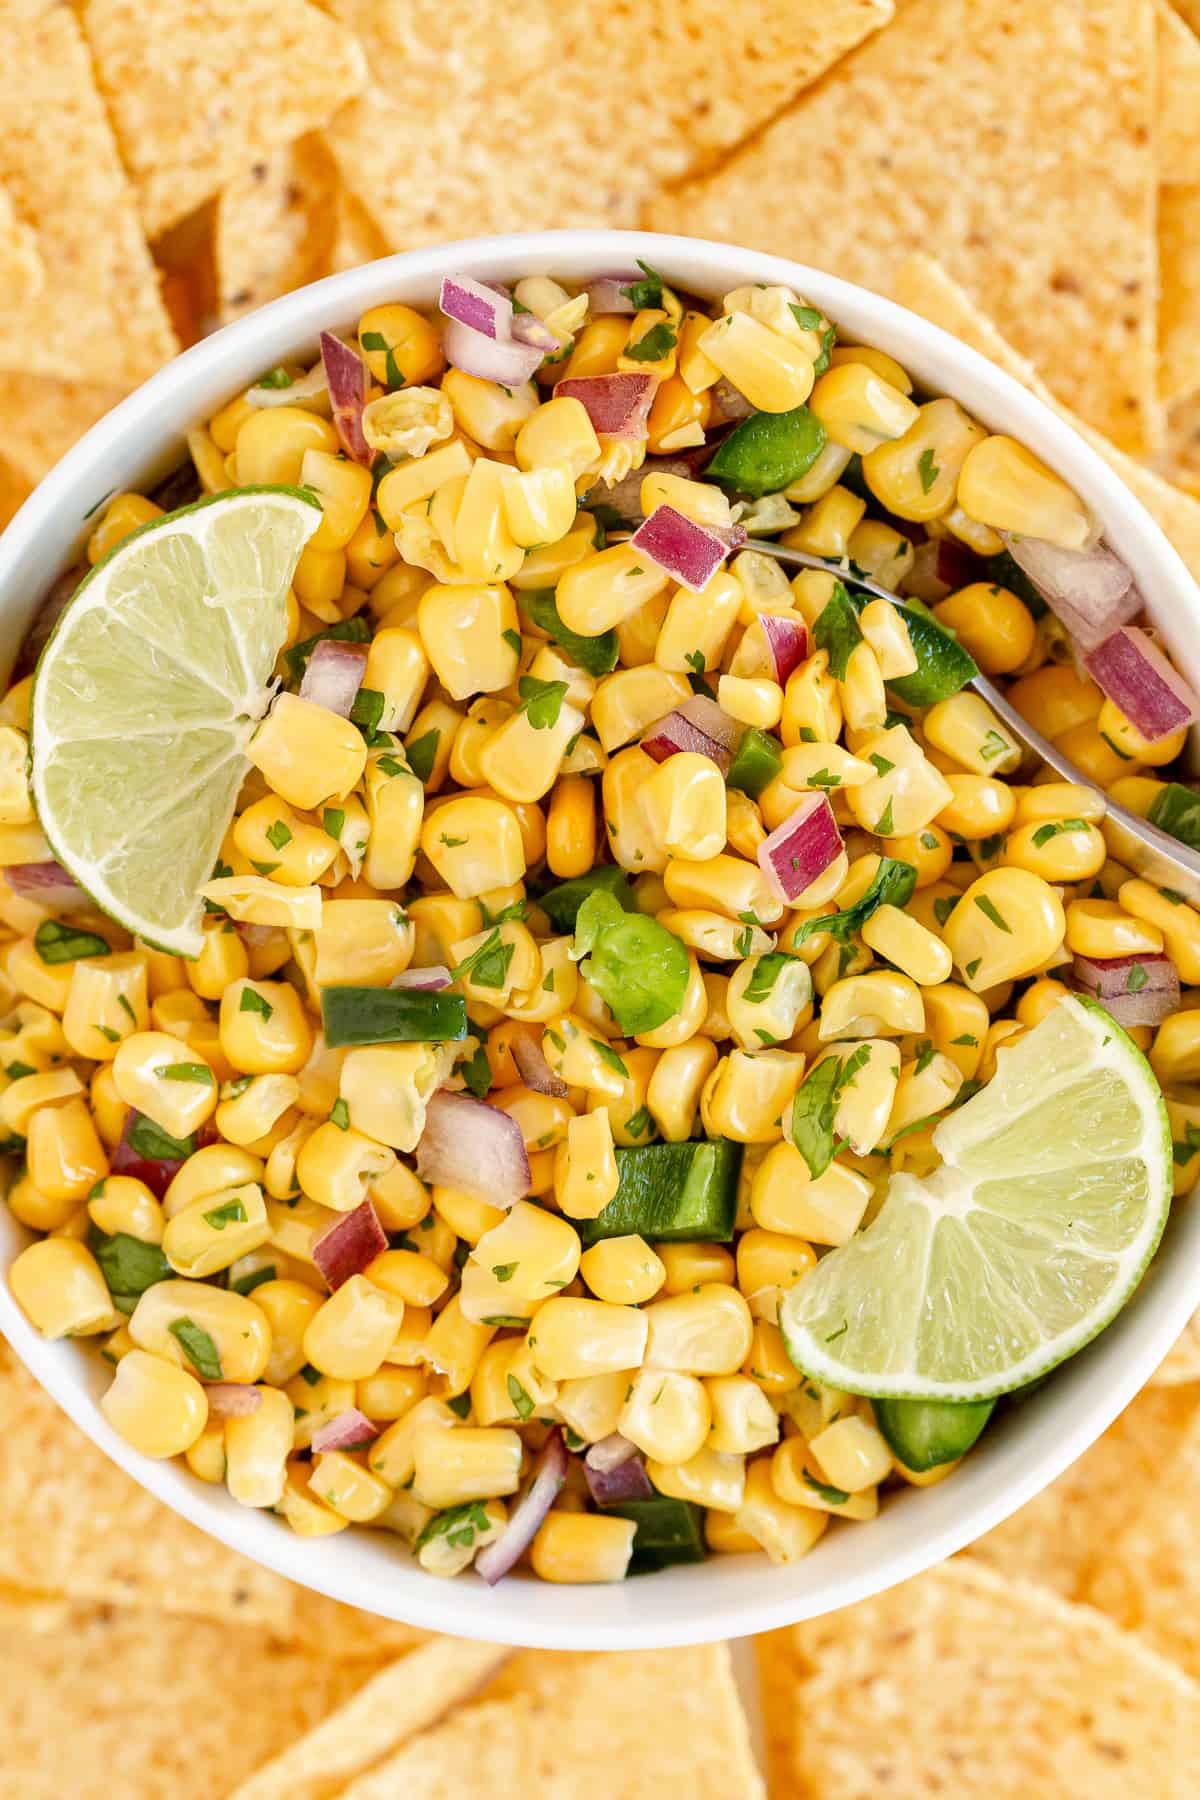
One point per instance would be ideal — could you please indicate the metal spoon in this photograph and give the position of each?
(1136, 843)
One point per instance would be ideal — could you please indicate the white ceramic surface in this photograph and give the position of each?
(1026, 1449)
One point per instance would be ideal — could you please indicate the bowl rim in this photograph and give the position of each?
(726, 1596)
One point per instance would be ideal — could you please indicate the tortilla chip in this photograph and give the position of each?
(1148, 1579)
(664, 1721)
(72, 1523)
(495, 1750)
(1189, 10)
(924, 286)
(460, 134)
(964, 1682)
(41, 419)
(1178, 126)
(275, 226)
(14, 489)
(1014, 134)
(328, 1628)
(198, 88)
(22, 271)
(1182, 1362)
(142, 1706)
(357, 239)
(99, 316)
(394, 1706)
(1054, 1539)
(1179, 304)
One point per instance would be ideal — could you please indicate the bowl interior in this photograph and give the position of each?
(1035, 1441)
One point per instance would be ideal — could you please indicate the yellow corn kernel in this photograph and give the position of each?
(708, 1479)
(336, 1165)
(1093, 754)
(398, 668)
(925, 1089)
(207, 1171)
(723, 1536)
(967, 729)
(386, 1088)
(828, 524)
(577, 1547)
(521, 757)
(263, 1030)
(678, 417)
(463, 632)
(468, 1463)
(392, 1455)
(206, 1457)
(271, 445)
(585, 1174)
(979, 806)
(684, 805)
(629, 700)
(63, 1152)
(887, 637)
(785, 1532)
(773, 373)
(992, 624)
(1103, 928)
(576, 1338)
(304, 1513)
(49, 984)
(289, 1307)
(957, 1022)
(724, 884)
(752, 700)
(1128, 741)
(915, 477)
(223, 959)
(58, 1285)
(121, 1204)
(344, 491)
(518, 1265)
(860, 409)
(676, 1085)
(905, 942)
(571, 827)
(1006, 925)
(797, 1479)
(631, 841)
(559, 434)
(159, 1409)
(622, 1270)
(106, 1001)
(696, 628)
(348, 1488)
(883, 1003)
(349, 1336)
(1006, 486)
(391, 1393)
(704, 1333)
(906, 795)
(745, 1096)
(319, 581)
(666, 1414)
(16, 807)
(489, 414)
(280, 843)
(1056, 700)
(884, 365)
(213, 1232)
(743, 1419)
(474, 844)
(1178, 923)
(399, 346)
(784, 1198)
(121, 516)
(769, 1262)
(257, 1446)
(370, 552)
(765, 999)
(880, 551)
(307, 753)
(362, 942)
(606, 587)
(1175, 1054)
(1059, 850)
(237, 1327)
(864, 702)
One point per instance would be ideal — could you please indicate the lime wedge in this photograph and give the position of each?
(145, 697)
(1027, 1241)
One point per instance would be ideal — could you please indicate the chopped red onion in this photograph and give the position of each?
(49, 884)
(233, 1399)
(346, 1431)
(698, 725)
(607, 294)
(503, 361)
(609, 1452)
(527, 328)
(617, 405)
(427, 981)
(549, 1472)
(800, 849)
(688, 552)
(1136, 990)
(158, 1172)
(1131, 669)
(626, 1480)
(1092, 591)
(334, 675)
(348, 1246)
(346, 377)
(787, 641)
(940, 566)
(534, 1070)
(467, 1144)
(480, 308)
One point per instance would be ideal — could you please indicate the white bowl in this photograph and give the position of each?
(1022, 1451)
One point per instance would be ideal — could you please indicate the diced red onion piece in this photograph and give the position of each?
(507, 363)
(344, 1432)
(609, 1452)
(49, 884)
(800, 849)
(233, 1399)
(334, 675)
(1131, 669)
(480, 308)
(534, 1070)
(466, 1144)
(1092, 591)
(940, 566)
(688, 552)
(157, 1172)
(348, 1246)
(346, 377)
(605, 294)
(617, 405)
(787, 641)
(1107, 979)
(698, 725)
(628, 1480)
(426, 981)
(527, 328)
(549, 1472)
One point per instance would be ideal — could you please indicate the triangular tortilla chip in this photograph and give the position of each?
(98, 316)
(1016, 136)
(965, 1682)
(275, 226)
(484, 116)
(198, 88)
(22, 271)
(1181, 1364)
(41, 419)
(924, 286)
(1179, 303)
(1178, 127)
